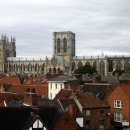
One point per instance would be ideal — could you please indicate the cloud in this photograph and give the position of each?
(99, 25)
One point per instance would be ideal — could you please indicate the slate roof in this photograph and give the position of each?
(110, 79)
(62, 78)
(98, 89)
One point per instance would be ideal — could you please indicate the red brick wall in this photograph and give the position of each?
(118, 94)
(96, 116)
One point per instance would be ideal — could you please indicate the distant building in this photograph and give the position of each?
(63, 60)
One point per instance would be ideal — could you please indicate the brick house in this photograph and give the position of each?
(119, 101)
(95, 112)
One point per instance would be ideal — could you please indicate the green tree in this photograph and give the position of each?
(118, 71)
(85, 69)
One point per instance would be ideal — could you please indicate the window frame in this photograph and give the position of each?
(118, 117)
(118, 104)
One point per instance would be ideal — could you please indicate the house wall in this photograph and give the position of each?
(79, 120)
(95, 117)
(54, 88)
(118, 94)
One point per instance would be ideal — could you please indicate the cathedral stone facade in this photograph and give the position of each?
(63, 59)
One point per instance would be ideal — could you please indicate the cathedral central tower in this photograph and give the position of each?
(64, 44)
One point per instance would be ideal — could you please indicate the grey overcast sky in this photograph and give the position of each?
(100, 25)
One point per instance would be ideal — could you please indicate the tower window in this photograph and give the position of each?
(65, 45)
(58, 45)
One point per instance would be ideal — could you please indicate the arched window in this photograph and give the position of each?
(88, 63)
(127, 65)
(80, 64)
(9, 67)
(73, 66)
(36, 67)
(64, 45)
(29, 67)
(58, 45)
(50, 70)
(111, 66)
(102, 68)
(42, 67)
(16, 67)
(58, 70)
(54, 70)
(95, 64)
(118, 65)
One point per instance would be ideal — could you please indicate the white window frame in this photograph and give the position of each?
(118, 116)
(118, 104)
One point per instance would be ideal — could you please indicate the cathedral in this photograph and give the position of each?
(63, 59)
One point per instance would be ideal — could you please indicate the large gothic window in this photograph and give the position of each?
(118, 65)
(127, 65)
(65, 45)
(50, 70)
(42, 67)
(58, 45)
(110, 66)
(95, 64)
(54, 70)
(80, 64)
(88, 63)
(102, 68)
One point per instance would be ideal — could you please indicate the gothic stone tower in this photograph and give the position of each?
(64, 45)
(7, 49)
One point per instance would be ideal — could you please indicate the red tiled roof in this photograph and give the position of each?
(64, 93)
(89, 101)
(11, 80)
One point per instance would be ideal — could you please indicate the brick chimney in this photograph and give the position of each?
(71, 109)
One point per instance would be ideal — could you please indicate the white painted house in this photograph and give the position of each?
(56, 84)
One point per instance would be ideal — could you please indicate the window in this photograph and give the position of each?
(58, 45)
(51, 85)
(102, 112)
(61, 86)
(118, 104)
(50, 95)
(88, 125)
(33, 90)
(56, 86)
(28, 90)
(101, 125)
(65, 45)
(87, 112)
(118, 116)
